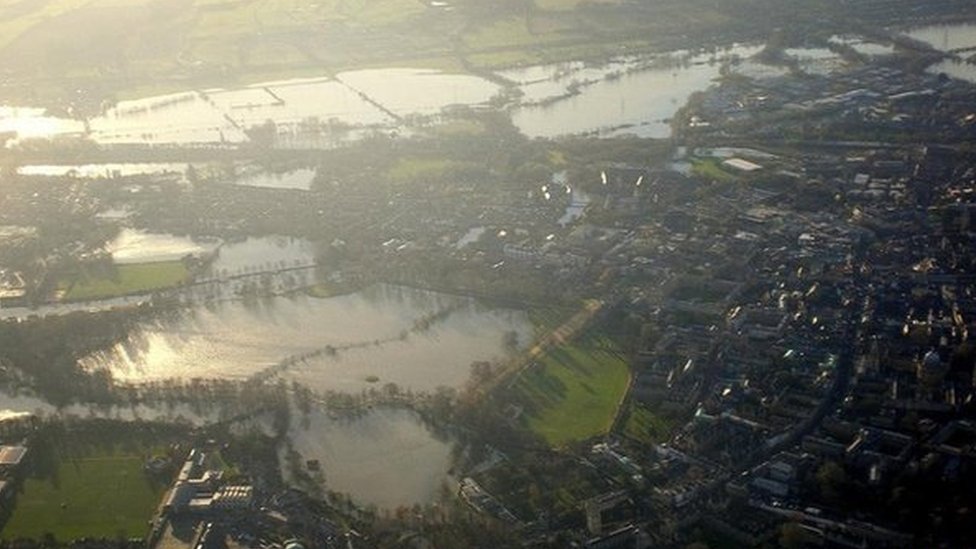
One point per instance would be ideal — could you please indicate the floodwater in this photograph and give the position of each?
(299, 109)
(300, 179)
(539, 83)
(810, 53)
(54, 309)
(419, 91)
(578, 202)
(638, 101)
(297, 103)
(758, 71)
(946, 38)
(31, 122)
(470, 237)
(181, 118)
(817, 61)
(416, 339)
(960, 70)
(136, 246)
(14, 406)
(387, 457)
(256, 254)
(864, 47)
(106, 171)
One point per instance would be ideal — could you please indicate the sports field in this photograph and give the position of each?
(103, 496)
(127, 279)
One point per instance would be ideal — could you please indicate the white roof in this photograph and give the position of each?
(741, 164)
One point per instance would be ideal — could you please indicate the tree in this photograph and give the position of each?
(794, 536)
(831, 479)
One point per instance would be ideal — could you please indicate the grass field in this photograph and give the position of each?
(133, 48)
(573, 392)
(98, 496)
(419, 168)
(128, 279)
(711, 168)
(646, 426)
(508, 33)
(548, 319)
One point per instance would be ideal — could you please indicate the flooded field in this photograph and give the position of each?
(256, 254)
(135, 246)
(106, 171)
(22, 405)
(416, 339)
(864, 47)
(373, 98)
(296, 179)
(29, 123)
(947, 38)
(415, 91)
(297, 102)
(386, 457)
(470, 237)
(960, 70)
(623, 99)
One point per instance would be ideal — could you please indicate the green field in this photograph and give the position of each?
(645, 426)
(105, 496)
(127, 279)
(548, 319)
(711, 168)
(129, 48)
(573, 392)
(420, 168)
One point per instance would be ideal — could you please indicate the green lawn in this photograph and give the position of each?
(573, 393)
(128, 279)
(548, 319)
(646, 426)
(711, 168)
(101, 496)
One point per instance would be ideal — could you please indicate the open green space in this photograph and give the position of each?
(646, 426)
(711, 168)
(126, 279)
(547, 319)
(556, 484)
(423, 168)
(101, 496)
(127, 48)
(573, 391)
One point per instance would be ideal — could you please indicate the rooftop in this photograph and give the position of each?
(12, 455)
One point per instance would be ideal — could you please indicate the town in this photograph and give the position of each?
(749, 331)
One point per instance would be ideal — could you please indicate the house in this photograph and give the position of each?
(11, 457)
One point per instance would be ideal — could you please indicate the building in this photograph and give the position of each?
(200, 491)
(741, 165)
(11, 457)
